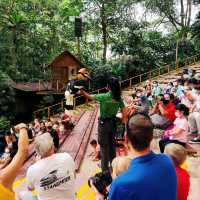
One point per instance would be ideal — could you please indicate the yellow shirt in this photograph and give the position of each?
(6, 194)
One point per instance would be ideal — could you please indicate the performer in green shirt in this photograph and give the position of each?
(110, 103)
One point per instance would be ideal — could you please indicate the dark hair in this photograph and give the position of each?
(93, 142)
(181, 81)
(8, 133)
(140, 131)
(114, 86)
(182, 107)
(193, 81)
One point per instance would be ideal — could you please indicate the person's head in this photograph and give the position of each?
(170, 84)
(119, 165)
(155, 83)
(182, 111)
(166, 99)
(175, 83)
(177, 152)
(44, 145)
(180, 82)
(114, 87)
(49, 126)
(139, 132)
(93, 143)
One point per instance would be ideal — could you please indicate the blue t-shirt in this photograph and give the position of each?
(149, 177)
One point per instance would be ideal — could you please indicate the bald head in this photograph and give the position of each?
(140, 131)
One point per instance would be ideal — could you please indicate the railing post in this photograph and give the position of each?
(57, 86)
(168, 69)
(74, 104)
(130, 84)
(39, 85)
(140, 78)
(49, 112)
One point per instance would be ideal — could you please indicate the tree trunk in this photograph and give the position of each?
(182, 13)
(189, 12)
(104, 32)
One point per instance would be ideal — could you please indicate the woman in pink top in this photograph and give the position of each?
(178, 134)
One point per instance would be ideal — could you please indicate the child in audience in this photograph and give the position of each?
(180, 131)
(95, 154)
(178, 154)
(119, 165)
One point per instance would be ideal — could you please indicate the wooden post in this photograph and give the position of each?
(74, 104)
(168, 69)
(130, 84)
(39, 85)
(57, 86)
(140, 78)
(150, 75)
(49, 112)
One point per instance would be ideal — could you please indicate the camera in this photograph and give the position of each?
(101, 181)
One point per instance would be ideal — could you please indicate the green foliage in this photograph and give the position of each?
(4, 123)
(7, 96)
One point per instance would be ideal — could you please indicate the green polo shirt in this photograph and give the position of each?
(108, 106)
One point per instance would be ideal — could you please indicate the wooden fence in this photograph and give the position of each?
(56, 108)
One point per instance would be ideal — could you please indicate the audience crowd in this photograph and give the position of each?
(140, 174)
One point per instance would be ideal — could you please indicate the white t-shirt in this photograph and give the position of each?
(53, 177)
(184, 126)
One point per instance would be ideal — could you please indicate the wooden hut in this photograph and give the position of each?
(64, 68)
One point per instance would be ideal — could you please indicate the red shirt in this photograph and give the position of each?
(183, 183)
(170, 110)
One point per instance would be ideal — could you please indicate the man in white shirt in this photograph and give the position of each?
(53, 176)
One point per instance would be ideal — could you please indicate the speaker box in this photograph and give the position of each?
(78, 27)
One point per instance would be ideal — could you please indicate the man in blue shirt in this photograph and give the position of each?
(150, 176)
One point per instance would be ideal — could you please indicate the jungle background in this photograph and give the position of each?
(120, 37)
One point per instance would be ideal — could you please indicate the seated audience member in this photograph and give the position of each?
(5, 157)
(143, 106)
(180, 131)
(163, 112)
(169, 88)
(12, 143)
(53, 175)
(65, 118)
(180, 88)
(36, 126)
(144, 178)
(194, 117)
(156, 90)
(9, 173)
(53, 134)
(186, 98)
(178, 155)
(95, 150)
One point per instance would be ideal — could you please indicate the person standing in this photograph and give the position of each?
(9, 173)
(110, 103)
(150, 176)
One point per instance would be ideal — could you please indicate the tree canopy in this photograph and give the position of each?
(120, 37)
